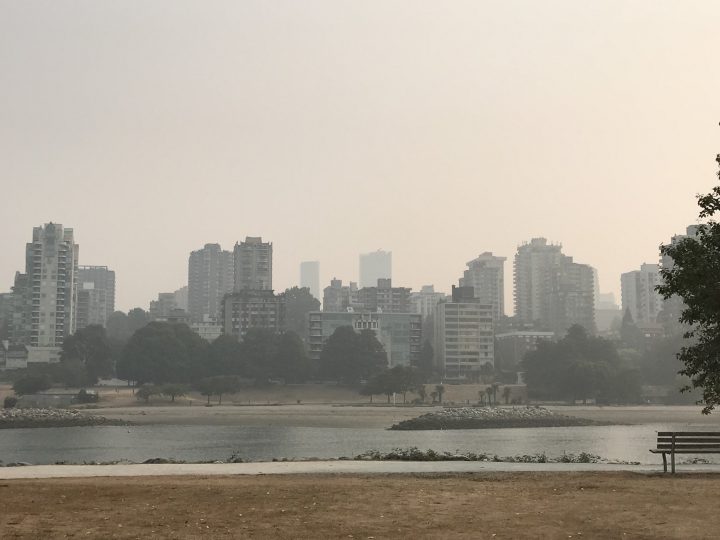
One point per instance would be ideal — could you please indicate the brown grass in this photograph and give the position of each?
(533, 505)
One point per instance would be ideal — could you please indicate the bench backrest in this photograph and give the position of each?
(688, 441)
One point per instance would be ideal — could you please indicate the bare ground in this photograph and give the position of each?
(507, 505)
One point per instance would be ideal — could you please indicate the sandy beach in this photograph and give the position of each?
(486, 505)
(364, 416)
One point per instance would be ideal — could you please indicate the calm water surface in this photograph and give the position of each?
(203, 443)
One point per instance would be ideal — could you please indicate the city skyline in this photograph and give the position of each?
(560, 129)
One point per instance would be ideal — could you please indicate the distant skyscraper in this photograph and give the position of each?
(374, 266)
(310, 277)
(486, 275)
(211, 275)
(95, 295)
(46, 294)
(253, 264)
(639, 294)
(551, 291)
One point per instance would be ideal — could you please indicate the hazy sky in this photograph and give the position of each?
(437, 130)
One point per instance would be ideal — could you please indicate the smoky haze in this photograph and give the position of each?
(437, 131)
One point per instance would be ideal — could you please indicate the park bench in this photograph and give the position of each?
(686, 442)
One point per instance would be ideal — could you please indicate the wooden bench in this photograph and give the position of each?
(686, 442)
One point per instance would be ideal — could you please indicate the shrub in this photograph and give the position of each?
(10, 402)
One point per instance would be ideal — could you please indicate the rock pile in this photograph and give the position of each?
(32, 418)
(491, 417)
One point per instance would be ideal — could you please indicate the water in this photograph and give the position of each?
(208, 443)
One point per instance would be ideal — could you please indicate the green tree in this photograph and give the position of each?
(298, 304)
(292, 362)
(164, 352)
(630, 334)
(578, 366)
(90, 349)
(440, 390)
(218, 386)
(693, 277)
(31, 384)
(351, 357)
(426, 361)
(146, 391)
(225, 357)
(137, 318)
(506, 394)
(173, 390)
(259, 349)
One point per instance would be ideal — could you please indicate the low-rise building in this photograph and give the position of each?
(209, 329)
(399, 333)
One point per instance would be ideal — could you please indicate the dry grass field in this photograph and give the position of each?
(503, 505)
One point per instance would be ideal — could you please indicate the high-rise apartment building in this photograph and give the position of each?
(45, 296)
(486, 275)
(338, 297)
(310, 277)
(464, 339)
(95, 295)
(639, 294)
(253, 264)
(374, 266)
(551, 291)
(211, 275)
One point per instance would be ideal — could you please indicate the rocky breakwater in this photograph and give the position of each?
(492, 418)
(37, 418)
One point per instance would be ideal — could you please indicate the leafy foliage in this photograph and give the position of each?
(580, 367)
(31, 384)
(694, 278)
(86, 356)
(352, 357)
(298, 303)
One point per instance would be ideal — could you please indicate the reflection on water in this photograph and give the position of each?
(206, 443)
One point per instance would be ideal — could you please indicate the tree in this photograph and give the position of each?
(630, 334)
(217, 386)
(489, 394)
(137, 318)
(351, 357)
(164, 352)
(506, 394)
(146, 391)
(495, 387)
(173, 390)
(693, 277)
(426, 361)
(486, 372)
(440, 389)
(88, 347)
(31, 384)
(579, 366)
(259, 349)
(226, 357)
(298, 303)
(397, 380)
(292, 362)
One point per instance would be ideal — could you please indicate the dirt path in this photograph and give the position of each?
(531, 505)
